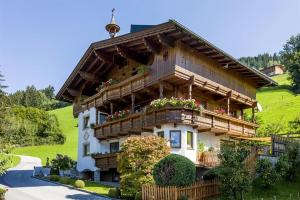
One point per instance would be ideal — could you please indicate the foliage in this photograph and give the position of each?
(54, 178)
(175, 102)
(294, 126)
(261, 60)
(174, 170)
(291, 60)
(106, 84)
(31, 126)
(289, 162)
(118, 115)
(266, 174)
(2, 191)
(138, 196)
(79, 184)
(271, 128)
(201, 147)
(5, 160)
(142, 69)
(2, 80)
(136, 161)
(64, 180)
(234, 177)
(114, 193)
(63, 162)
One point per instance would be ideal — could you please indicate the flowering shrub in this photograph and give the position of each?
(175, 102)
(118, 115)
(220, 111)
(107, 83)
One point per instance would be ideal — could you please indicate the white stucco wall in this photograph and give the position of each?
(87, 162)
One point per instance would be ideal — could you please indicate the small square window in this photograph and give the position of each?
(86, 149)
(175, 139)
(161, 134)
(86, 121)
(190, 140)
(114, 147)
(102, 118)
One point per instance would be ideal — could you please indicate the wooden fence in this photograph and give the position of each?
(198, 191)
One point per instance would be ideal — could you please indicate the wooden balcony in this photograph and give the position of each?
(208, 159)
(105, 161)
(118, 91)
(204, 121)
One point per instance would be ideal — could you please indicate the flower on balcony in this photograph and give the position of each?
(175, 102)
(107, 83)
(118, 115)
(220, 111)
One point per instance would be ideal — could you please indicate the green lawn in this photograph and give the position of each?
(68, 126)
(279, 103)
(15, 160)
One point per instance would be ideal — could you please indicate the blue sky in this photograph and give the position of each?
(42, 41)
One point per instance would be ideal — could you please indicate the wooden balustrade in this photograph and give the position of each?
(204, 121)
(208, 159)
(105, 161)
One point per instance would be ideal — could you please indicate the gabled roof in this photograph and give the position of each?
(100, 56)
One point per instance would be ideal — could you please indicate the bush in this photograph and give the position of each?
(266, 174)
(174, 170)
(54, 178)
(114, 193)
(63, 162)
(137, 159)
(138, 196)
(64, 180)
(79, 184)
(2, 191)
(54, 171)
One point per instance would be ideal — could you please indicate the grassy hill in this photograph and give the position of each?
(68, 126)
(279, 103)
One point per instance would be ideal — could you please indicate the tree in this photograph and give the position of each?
(5, 159)
(266, 174)
(137, 159)
(235, 179)
(49, 92)
(291, 60)
(2, 80)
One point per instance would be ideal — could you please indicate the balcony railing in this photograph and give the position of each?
(208, 159)
(204, 121)
(105, 161)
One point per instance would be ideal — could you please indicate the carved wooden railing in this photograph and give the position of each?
(118, 90)
(204, 121)
(105, 161)
(208, 159)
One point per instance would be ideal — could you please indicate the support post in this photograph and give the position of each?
(228, 106)
(97, 116)
(242, 113)
(111, 108)
(253, 114)
(190, 91)
(161, 90)
(176, 91)
(132, 102)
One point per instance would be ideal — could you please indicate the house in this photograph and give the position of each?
(273, 70)
(126, 73)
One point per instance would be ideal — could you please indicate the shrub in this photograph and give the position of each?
(79, 184)
(2, 191)
(54, 178)
(266, 174)
(64, 180)
(63, 162)
(114, 193)
(174, 170)
(137, 159)
(138, 196)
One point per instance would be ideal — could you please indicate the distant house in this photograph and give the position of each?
(273, 70)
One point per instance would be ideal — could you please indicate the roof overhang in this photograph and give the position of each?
(102, 55)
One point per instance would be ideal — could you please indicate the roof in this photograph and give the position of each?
(102, 55)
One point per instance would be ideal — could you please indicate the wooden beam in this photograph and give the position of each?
(132, 102)
(105, 58)
(166, 41)
(190, 90)
(125, 53)
(151, 46)
(88, 77)
(73, 92)
(111, 108)
(161, 90)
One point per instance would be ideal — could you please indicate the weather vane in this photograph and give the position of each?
(112, 28)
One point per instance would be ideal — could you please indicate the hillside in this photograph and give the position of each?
(68, 125)
(279, 103)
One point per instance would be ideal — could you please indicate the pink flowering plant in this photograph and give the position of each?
(118, 115)
(107, 83)
(175, 102)
(220, 111)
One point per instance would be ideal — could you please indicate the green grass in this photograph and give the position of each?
(93, 187)
(281, 190)
(68, 126)
(14, 161)
(282, 79)
(279, 103)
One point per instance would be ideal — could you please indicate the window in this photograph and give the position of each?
(102, 118)
(189, 140)
(161, 134)
(86, 149)
(114, 147)
(175, 139)
(86, 121)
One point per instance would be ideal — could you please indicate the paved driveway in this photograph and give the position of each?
(22, 187)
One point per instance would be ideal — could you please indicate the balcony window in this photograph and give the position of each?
(114, 147)
(86, 149)
(175, 139)
(190, 140)
(86, 121)
(161, 134)
(102, 118)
